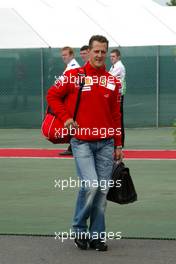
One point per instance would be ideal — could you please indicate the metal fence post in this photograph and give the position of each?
(157, 87)
(42, 82)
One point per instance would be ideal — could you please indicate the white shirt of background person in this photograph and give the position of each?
(73, 64)
(118, 69)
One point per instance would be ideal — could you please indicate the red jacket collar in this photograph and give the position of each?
(91, 70)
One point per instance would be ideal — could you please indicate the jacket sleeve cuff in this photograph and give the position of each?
(118, 141)
(117, 147)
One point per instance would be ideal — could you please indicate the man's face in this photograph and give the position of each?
(97, 54)
(65, 54)
(114, 58)
(84, 55)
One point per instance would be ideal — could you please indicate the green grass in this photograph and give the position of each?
(29, 202)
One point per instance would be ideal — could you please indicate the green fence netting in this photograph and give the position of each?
(26, 74)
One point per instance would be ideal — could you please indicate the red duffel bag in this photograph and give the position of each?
(53, 129)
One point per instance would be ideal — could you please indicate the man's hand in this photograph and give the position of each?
(70, 123)
(118, 154)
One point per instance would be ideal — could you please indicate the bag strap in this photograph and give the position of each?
(81, 74)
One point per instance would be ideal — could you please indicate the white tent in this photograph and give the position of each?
(16, 33)
(56, 23)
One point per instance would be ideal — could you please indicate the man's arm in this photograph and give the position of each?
(55, 96)
(116, 115)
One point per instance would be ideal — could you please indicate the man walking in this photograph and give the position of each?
(97, 140)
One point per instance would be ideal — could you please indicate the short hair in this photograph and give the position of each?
(85, 47)
(71, 50)
(116, 51)
(98, 38)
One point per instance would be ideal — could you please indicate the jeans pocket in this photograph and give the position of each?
(76, 142)
(110, 141)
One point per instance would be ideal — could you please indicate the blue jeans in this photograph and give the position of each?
(94, 162)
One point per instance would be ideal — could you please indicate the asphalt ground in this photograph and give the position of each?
(47, 250)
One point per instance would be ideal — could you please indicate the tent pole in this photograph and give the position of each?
(157, 87)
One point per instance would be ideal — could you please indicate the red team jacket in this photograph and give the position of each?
(98, 115)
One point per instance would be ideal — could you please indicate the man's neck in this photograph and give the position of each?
(70, 61)
(115, 62)
(93, 66)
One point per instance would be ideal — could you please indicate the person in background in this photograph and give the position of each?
(118, 70)
(68, 57)
(84, 53)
